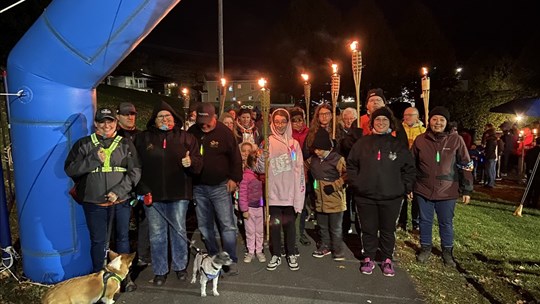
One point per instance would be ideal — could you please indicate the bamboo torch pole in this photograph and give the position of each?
(425, 93)
(307, 95)
(357, 74)
(265, 110)
(222, 95)
(335, 94)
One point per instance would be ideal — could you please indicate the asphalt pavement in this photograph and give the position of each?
(319, 280)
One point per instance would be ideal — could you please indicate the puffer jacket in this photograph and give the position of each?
(82, 165)
(328, 171)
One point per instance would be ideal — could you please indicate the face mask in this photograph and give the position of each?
(164, 127)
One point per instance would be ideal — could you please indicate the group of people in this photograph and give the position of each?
(369, 168)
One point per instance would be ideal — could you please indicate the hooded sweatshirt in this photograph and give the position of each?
(286, 184)
(161, 153)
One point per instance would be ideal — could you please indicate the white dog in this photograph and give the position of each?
(209, 268)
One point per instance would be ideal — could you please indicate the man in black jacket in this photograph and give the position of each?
(221, 172)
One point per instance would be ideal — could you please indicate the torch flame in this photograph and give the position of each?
(424, 71)
(354, 46)
(223, 82)
(184, 91)
(305, 76)
(334, 68)
(262, 83)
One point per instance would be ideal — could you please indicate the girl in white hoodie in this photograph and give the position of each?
(286, 187)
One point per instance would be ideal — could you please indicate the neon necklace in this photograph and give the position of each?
(379, 155)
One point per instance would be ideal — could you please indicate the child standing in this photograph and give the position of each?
(328, 169)
(251, 205)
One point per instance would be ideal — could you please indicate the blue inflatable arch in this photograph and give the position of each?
(58, 64)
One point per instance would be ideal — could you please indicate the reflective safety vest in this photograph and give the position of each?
(107, 163)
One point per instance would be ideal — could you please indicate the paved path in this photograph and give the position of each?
(317, 281)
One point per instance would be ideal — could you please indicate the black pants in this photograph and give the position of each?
(378, 220)
(404, 214)
(282, 216)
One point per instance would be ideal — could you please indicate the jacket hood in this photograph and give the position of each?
(288, 130)
(161, 106)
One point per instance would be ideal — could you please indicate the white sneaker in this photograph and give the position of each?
(275, 261)
(292, 260)
(261, 257)
(248, 257)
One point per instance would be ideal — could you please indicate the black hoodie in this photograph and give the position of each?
(161, 154)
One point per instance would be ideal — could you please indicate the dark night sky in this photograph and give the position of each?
(470, 25)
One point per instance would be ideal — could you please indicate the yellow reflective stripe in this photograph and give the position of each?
(109, 169)
(107, 162)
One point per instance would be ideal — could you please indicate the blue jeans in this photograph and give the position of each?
(97, 219)
(168, 219)
(331, 234)
(214, 202)
(445, 216)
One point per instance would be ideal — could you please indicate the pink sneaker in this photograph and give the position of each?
(367, 266)
(388, 268)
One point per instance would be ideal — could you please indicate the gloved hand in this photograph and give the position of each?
(147, 199)
(328, 189)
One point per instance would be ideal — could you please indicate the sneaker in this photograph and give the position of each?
(159, 280)
(367, 266)
(261, 257)
(181, 275)
(388, 268)
(320, 253)
(304, 240)
(248, 257)
(275, 261)
(338, 257)
(292, 260)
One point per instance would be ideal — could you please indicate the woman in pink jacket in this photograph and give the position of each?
(286, 187)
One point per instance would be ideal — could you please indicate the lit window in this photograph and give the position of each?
(230, 88)
(239, 86)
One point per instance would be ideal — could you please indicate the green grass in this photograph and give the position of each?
(497, 255)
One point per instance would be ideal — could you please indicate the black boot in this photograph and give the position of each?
(128, 285)
(424, 254)
(448, 257)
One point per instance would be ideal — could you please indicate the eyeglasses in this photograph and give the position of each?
(280, 123)
(297, 120)
(325, 114)
(414, 114)
(164, 116)
(246, 107)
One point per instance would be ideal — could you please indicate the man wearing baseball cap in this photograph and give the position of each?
(221, 172)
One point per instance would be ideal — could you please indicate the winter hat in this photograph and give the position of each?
(440, 111)
(322, 140)
(384, 111)
(376, 92)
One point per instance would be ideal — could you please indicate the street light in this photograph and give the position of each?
(357, 74)
(335, 93)
(265, 109)
(425, 92)
(307, 94)
(223, 93)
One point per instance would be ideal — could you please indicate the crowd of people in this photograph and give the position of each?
(364, 174)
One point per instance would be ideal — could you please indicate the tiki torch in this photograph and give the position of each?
(185, 97)
(223, 93)
(265, 109)
(335, 93)
(357, 74)
(425, 92)
(307, 94)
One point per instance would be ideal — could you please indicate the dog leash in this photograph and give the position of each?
(191, 244)
(109, 232)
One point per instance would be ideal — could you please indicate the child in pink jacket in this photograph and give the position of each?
(250, 202)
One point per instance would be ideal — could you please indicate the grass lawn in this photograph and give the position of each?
(497, 255)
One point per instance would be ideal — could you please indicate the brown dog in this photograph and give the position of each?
(92, 288)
